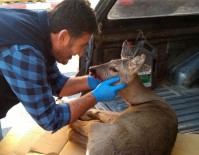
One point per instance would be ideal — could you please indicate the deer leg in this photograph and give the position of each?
(79, 130)
(77, 138)
(103, 116)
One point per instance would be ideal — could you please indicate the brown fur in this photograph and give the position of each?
(147, 127)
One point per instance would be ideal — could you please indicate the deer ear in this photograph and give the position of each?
(126, 50)
(136, 63)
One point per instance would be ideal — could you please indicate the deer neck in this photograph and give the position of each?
(136, 93)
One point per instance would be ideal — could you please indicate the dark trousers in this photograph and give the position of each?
(7, 98)
(1, 136)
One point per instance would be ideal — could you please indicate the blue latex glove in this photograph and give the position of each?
(93, 82)
(105, 91)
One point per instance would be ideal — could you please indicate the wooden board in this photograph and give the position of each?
(21, 141)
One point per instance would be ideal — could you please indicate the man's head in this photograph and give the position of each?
(72, 22)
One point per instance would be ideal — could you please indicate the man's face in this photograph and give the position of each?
(73, 46)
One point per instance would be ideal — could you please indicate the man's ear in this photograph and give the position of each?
(64, 37)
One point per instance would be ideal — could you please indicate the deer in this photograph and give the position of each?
(147, 127)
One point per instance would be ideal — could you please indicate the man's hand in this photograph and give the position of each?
(93, 82)
(106, 91)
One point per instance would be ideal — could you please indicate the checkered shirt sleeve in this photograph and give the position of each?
(34, 83)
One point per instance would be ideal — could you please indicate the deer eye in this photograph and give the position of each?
(113, 69)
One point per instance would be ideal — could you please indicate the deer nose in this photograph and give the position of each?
(92, 70)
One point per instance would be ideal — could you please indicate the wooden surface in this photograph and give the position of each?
(186, 144)
(13, 138)
(32, 140)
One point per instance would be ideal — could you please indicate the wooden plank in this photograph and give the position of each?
(186, 144)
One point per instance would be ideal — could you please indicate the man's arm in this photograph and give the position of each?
(26, 74)
(74, 85)
(80, 105)
(25, 71)
(77, 84)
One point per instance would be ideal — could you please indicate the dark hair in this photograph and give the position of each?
(74, 15)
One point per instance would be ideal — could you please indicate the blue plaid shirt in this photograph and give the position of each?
(35, 83)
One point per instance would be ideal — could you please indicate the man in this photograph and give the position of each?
(30, 44)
